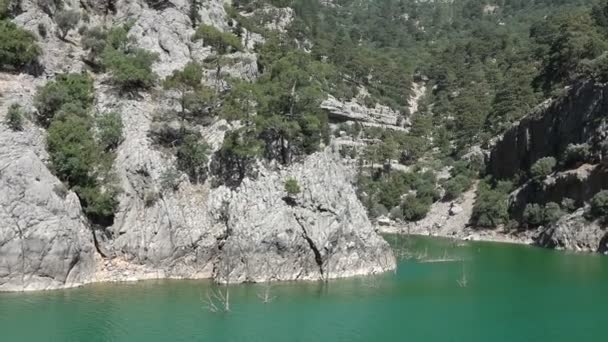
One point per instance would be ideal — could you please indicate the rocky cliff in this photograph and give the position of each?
(249, 233)
(577, 118)
(574, 118)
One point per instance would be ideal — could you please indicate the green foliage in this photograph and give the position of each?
(237, 156)
(454, 187)
(542, 168)
(565, 40)
(130, 70)
(110, 129)
(94, 40)
(491, 205)
(76, 89)
(14, 117)
(292, 187)
(195, 99)
(534, 215)
(187, 79)
(66, 20)
(4, 8)
(18, 47)
(599, 205)
(192, 158)
(575, 154)
(113, 50)
(99, 203)
(72, 148)
(552, 213)
(568, 204)
(412, 192)
(76, 157)
(415, 208)
(222, 42)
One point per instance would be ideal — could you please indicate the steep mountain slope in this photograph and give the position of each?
(193, 228)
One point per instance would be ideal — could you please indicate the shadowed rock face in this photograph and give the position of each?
(579, 185)
(576, 118)
(573, 119)
(245, 234)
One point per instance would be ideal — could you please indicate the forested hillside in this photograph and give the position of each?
(486, 64)
(181, 120)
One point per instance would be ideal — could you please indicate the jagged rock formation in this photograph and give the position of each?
(46, 243)
(353, 111)
(574, 232)
(572, 119)
(578, 117)
(318, 234)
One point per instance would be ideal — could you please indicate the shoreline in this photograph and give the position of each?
(467, 234)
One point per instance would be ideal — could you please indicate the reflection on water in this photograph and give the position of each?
(513, 293)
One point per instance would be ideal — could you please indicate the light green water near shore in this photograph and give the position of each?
(512, 293)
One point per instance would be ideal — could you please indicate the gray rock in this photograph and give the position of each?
(352, 110)
(321, 233)
(190, 232)
(45, 242)
(573, 232)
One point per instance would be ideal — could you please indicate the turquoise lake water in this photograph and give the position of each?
(512, 293)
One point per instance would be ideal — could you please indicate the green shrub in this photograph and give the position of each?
(94, 40)
(292, 187)
(18, 47)
(4, 8)
(542, 168)
(73, 151)
(576, 153)
(14, 117)
(99, 203)
(599, 205)
(534, 215)
(132, 70)
(568, 204)
(491, 205)
(76, 89)
(110, 128)
(66, 20)
(222, 42)
(192, 158)
(455, 186)
(415, 208)
(552, 213)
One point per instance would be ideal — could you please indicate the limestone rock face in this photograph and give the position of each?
(190, 230)
(352, 110)
(321, 233)
(162, 27)
(574, 232)
(45, 242)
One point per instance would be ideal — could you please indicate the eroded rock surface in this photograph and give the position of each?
(45, 242)
(193, 231)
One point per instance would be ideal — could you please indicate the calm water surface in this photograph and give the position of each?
(512, 293)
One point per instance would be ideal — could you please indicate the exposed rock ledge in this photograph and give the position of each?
(352, 110)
